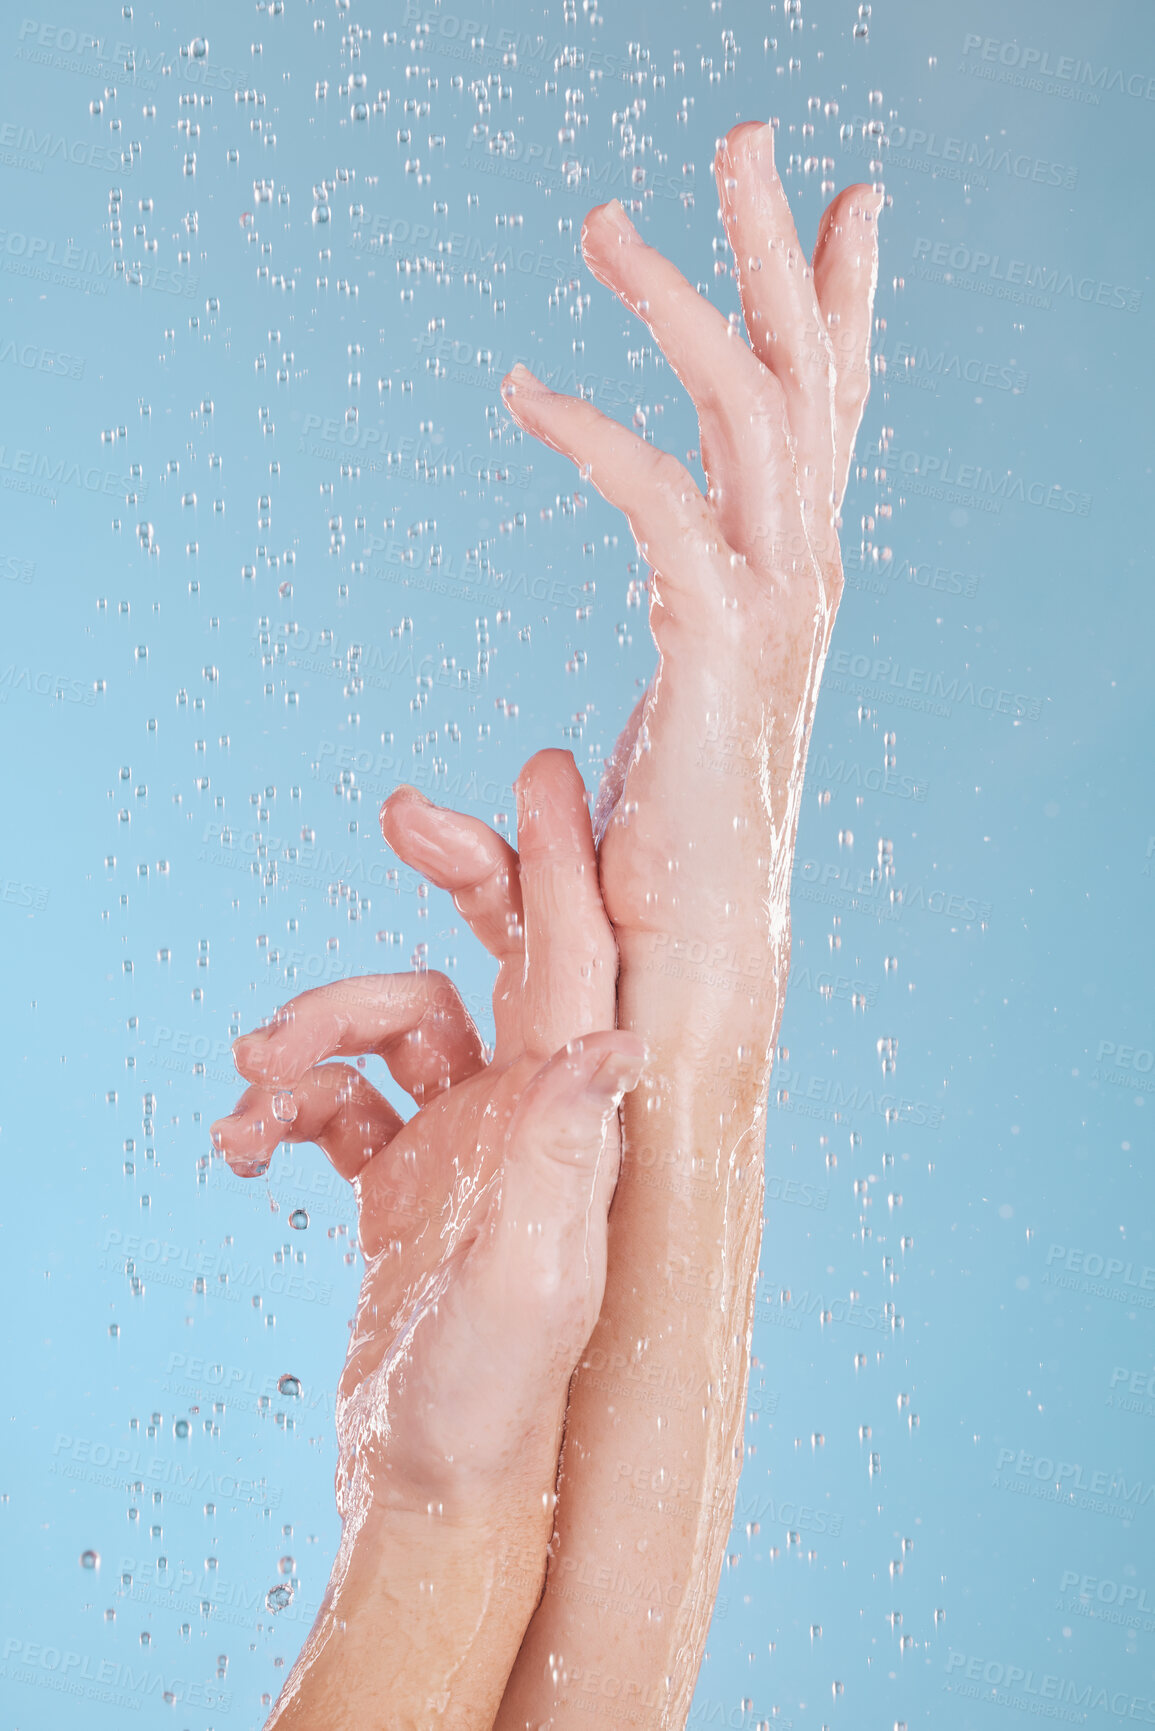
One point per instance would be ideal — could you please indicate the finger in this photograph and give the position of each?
(464, 856)
(334, 1106)
(530, 1289)
(670, 520)
(845, 278)
(741, 407)
(416, 1022)
(571, 958)
(776, 285)
(502, 1326)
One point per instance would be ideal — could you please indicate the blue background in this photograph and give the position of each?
(270, 544)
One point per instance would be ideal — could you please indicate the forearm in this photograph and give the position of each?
(654, 1430)
(421, 1625)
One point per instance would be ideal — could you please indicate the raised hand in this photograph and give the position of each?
(745, 580)
(482, 1220)
(697, 817)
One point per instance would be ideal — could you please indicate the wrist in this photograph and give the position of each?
(704, 1000)
(422, 1619)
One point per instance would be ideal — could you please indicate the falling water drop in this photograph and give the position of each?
(284, 1107)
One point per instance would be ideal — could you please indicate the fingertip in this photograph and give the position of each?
(548, 783)
(519, 381)
(865, 200)
(251, 1055)
(612, 216)
(862, 201)
(242, 1168)
(752, 138)
(545, 759)
(591, 216)
(242, 1165)
(217, 1130)
(621, 1068)
(394, 804)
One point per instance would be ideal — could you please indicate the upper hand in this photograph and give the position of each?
(745, 580)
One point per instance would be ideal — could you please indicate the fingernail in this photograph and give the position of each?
(409, 792)
(427, 853)
(618, 1072)
(616, 213)
(217, 1130)
(519, 378)
(246, 1167)
(251, 1046)
(271, 1027)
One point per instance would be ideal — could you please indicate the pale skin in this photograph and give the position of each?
(696, 823)
(483, 1226)
(697, 819)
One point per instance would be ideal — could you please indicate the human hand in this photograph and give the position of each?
(699, 803)
(697, 817)
(483, 1219)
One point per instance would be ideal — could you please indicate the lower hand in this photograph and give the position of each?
(483, 1219)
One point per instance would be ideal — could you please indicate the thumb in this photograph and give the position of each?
(537, 1276)
(563, 1140)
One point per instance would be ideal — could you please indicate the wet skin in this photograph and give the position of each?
(696, 822)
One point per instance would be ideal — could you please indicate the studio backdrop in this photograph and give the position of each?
(270, 544)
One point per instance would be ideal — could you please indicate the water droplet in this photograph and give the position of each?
(180, 1428)
(299, 1219)
(284, 1108)
(90, 1559)
(289, 1386)
(277, 1598)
